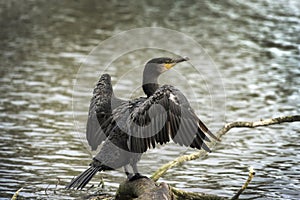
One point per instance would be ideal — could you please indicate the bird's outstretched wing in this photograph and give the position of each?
(166, 115)
(102, 103)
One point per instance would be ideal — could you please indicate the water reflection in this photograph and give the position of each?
(254, 44)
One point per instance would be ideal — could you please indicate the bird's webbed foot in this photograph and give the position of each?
(136, 176)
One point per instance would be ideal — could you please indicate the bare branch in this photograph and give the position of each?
(266, 122)
(181, 194)
(15, 196)
(163, 169)
(250, 177)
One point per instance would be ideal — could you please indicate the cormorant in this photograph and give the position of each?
(129, 128)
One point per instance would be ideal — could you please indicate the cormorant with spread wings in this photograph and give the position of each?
(126, 129)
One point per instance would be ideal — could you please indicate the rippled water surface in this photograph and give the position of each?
(255, 46)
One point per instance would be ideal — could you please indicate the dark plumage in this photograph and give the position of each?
(129, 128)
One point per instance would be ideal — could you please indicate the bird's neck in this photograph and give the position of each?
(150, 84)
(150, 88)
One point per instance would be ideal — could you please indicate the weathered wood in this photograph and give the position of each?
(143, 189)
(147, 189)
(183, 195)
(250, 177)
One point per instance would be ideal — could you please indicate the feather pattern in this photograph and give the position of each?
(163, 116)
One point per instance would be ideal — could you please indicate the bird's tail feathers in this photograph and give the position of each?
(80, 181)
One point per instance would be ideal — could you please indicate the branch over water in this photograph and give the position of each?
(238, 124)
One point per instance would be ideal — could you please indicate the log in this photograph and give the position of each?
(143, 189)
(147, 189)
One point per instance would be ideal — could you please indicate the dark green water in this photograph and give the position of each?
(254, 46)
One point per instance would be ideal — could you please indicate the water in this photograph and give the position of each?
(255, 46)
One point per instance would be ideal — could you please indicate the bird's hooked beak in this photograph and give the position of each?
(175, 61)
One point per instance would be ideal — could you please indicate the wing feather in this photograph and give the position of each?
(167, 114)
(99, 111)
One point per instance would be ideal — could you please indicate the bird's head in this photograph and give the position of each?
(157, 66)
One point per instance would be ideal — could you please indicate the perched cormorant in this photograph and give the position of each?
(129, 128)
